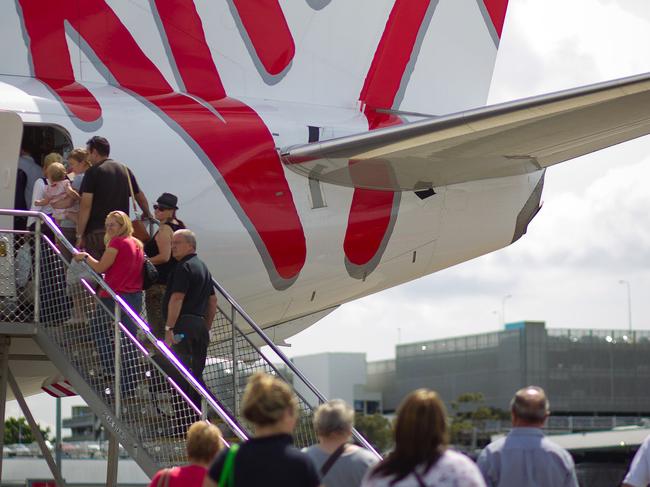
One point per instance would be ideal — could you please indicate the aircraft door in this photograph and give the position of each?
(11, 131)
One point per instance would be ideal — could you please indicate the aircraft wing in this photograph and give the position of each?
(495, 141)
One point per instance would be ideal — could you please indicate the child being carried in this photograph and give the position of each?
(57, 194)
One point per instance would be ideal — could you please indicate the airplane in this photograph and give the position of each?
(322, 151)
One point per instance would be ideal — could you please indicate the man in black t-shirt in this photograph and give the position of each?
(189, 306)
(104, 188)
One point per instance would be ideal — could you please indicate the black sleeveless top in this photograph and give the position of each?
(151, 249)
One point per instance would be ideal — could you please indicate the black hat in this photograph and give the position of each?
(168, 201)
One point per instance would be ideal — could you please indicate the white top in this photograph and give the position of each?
(639, 474)
(39, 194)
(452, 469)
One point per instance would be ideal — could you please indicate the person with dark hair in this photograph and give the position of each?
(27, 174)
(421, 457)
(105, 188)
(340, 463)
(525, 457)
(269, 458)
(203, 443)
(159, 251)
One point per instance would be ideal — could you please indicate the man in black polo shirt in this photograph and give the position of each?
(104, 188)
(189, 306)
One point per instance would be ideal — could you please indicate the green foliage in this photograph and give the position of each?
(18, 431)
(468, 412)
(376, 429)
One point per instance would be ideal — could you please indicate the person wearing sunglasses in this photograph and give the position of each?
(159, 251)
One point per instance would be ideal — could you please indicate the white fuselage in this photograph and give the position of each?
(310, 70)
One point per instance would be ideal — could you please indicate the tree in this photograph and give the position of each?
(376, 429)
(469, 412)
(18, 431)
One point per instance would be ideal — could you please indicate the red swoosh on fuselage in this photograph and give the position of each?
(241, 149)
(371, 212)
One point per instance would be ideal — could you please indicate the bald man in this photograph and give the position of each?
(524, 457)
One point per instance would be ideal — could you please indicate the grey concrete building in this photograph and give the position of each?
(585, 372)
(84, 425)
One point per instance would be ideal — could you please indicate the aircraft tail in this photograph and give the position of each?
(426, 56)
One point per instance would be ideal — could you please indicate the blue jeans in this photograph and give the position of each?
(102, 328)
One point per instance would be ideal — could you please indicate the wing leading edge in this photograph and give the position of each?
(495, 141)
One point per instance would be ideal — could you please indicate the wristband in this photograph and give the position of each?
(169, 328)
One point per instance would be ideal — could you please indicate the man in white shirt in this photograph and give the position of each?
(639, 473)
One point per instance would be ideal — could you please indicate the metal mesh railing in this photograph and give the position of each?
(232, 361)
(143, 389)
(16, 277)
(236, 352)
(159, 400)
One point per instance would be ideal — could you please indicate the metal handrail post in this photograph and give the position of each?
(118, 361)
(284, 358)
(269, 342)
(161, 346)
(235, 367)
(37, 272)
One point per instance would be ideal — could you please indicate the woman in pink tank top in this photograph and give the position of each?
(121, 265)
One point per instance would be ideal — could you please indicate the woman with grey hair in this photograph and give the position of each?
(340, 464)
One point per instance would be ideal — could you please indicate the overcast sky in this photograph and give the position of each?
(592, 231)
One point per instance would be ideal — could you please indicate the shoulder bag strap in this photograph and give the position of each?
(329, 463)
(227, 477)
(128, 178)
(419, 478)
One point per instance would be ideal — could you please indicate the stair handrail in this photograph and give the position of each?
(159, 344)
(284, 358)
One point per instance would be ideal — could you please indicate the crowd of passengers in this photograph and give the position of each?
(420, 457)
(89, 200)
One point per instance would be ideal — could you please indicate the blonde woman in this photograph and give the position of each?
(268, 459)
(203, 443)
(78, 163)
(121, 264)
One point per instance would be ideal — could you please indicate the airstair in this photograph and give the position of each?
(145, 402)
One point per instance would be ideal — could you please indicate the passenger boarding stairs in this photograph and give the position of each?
(150, 419)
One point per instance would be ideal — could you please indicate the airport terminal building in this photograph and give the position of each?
(584, 372)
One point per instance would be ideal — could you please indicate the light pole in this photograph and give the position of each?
(610, 340)
(629, 304)
(503, 308)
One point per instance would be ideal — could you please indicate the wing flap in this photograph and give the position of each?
(496, 141)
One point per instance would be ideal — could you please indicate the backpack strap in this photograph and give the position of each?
(227, 477)
(329, 463)
(128, 179)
